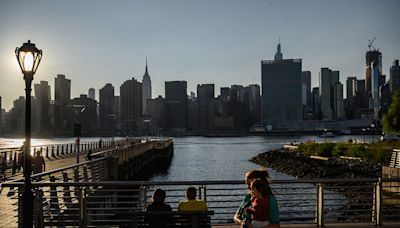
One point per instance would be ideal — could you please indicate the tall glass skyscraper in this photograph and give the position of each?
(281, 90)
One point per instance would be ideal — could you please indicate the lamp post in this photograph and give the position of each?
(373, 132)
(147, 122)
(112, 116)
(28, 57)
(364, 135)
(78, 109)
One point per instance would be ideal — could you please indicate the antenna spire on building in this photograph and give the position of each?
(278, 55)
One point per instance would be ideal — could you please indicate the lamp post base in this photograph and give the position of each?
(27, 208)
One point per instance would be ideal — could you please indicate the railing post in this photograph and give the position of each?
(142, 197)
(320, 205)
(47, 152)
(378, 203)
(82, 207)
(39, 221)
(205, 193)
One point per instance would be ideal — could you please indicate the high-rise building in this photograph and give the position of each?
(255, 103)
(42, 99)
(16, 120)
(375, 76)
(395, 76)
(281, 90)
(156, 111)
(315, 103)
(83, 110)
(92, 93)
(372, 56)
(327, 81)
(306, 80)
(205, 97)
(62, 97)
(106, 108)
(176, 105)
(350, 87)
(146, 89)
(131, 104)
(338, 105)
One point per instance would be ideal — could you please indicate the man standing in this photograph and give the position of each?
(39, 165)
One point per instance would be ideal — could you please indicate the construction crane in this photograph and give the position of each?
(370, 43)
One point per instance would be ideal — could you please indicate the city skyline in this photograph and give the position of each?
(209, 42)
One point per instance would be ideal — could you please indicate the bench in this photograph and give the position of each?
(141, 219)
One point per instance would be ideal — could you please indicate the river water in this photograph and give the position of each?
(208, 158)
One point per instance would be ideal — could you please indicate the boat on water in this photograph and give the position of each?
(327, 135)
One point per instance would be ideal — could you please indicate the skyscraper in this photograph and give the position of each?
(338, 107)
(372, 56)
(350, 87)
(306, 80)
(62, 97)
(395, 76)
(92, 93)
(375, 76)
(205, 97)
(131, 104)
(255, 103)
(42, 99)
(83, 110)
(146, 83)
(327, 81)
(106, 107)
(281, 90)
(176, 105)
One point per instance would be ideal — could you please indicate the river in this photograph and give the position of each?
(209, 158)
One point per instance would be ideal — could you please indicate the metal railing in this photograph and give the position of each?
(9, 166)
(319, 201)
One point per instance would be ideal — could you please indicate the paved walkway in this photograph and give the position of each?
(7, 204)
(344, 225)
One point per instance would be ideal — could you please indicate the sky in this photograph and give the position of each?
(94, 42)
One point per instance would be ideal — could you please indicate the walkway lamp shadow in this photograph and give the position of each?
(28, 57)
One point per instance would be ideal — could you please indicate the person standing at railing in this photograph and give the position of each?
(39, 164)
(242, 218)
(158, 205)
(191, 204)
(259, 209)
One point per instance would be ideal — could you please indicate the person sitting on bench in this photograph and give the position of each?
(191, 204)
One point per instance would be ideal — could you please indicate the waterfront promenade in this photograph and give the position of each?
(8, 217)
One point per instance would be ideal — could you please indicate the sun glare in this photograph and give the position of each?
(27, 60)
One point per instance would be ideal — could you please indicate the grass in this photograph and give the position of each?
(379, 152)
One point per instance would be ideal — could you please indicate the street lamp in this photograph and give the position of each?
(112, 116)
(146, 122)
(78, 109)
(364, 135)
(28, 57)
(373, 133)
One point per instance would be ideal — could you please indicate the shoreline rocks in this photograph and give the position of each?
(304, 167)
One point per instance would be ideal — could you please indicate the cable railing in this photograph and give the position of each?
(115, 203)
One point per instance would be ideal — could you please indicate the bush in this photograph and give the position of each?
(340, 149)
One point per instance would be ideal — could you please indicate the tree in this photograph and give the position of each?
(391, 120)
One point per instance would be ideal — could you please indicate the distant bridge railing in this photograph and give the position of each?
(319, 201)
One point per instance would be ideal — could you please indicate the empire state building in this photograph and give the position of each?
(146, 83)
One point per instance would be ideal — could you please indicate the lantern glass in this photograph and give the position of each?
(28, 57)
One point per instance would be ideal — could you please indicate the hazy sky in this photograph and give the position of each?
(96, 42)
